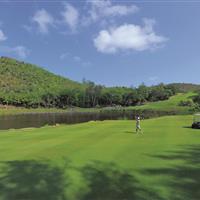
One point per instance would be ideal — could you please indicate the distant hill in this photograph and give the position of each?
(171, 104)
(23, 82)
(185, 87)
(26, 85)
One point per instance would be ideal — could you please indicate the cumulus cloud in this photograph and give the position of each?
(64, 55)
(129, 37)
(44, 20)
(20, 51)
(28, 28)
(86, 64)
(153, 78)
(2, 36)
(70, 16)
(101, 9)
(77, 58)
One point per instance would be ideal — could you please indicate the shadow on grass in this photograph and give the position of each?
(183, 180)
(190, 127)
(107, 182)
(33, 180)
(130, 132)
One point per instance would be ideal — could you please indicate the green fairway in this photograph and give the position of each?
(171, 104)
(102, 161)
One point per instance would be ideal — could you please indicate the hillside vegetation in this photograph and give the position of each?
(169, 106)
(185, 87)
(173, 103)
(26, 85)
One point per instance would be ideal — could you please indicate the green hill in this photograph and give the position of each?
(21, 83)
(173, 103)
(185, 87)
(27, 85)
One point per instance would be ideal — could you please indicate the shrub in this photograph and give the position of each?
(189, 103)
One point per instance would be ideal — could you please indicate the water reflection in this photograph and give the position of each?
(41, 119)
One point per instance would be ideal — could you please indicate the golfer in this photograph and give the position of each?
(138, 128)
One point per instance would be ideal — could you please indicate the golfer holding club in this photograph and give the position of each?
(138, 128)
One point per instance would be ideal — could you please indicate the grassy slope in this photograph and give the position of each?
(20, 76)
(24, 82)
(74, 160)
(19, 110)
(171, 104)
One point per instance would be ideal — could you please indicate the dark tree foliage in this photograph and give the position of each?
(184, 87)
(196, 100)
(197, 97)
(160, 92)
(27, 85)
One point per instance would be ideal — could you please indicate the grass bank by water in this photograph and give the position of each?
(169, 105)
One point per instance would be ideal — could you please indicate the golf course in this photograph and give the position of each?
(99, 100)
(102, 160)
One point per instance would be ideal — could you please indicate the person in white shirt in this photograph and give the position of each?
(138, 127)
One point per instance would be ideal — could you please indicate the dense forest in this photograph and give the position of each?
(23, 84)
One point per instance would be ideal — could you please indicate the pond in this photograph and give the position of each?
(42, 119)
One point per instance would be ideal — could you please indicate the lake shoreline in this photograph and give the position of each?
(40, 119)
(170, 105)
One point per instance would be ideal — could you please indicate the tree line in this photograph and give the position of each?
(91, 95)
(23, 84)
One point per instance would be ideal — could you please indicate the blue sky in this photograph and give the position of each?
(109, 42)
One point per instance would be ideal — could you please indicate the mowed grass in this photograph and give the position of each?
(171, 104)
(102, 161)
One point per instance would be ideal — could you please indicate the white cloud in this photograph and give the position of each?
(70, 16)
(153, 78)
(2, 36)
(101, 9)
(28, 28)
(20, 51)
(77, 58)
(86, 64)
(129, 37)
(43, 20)
(64, 55)
(81, 62)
